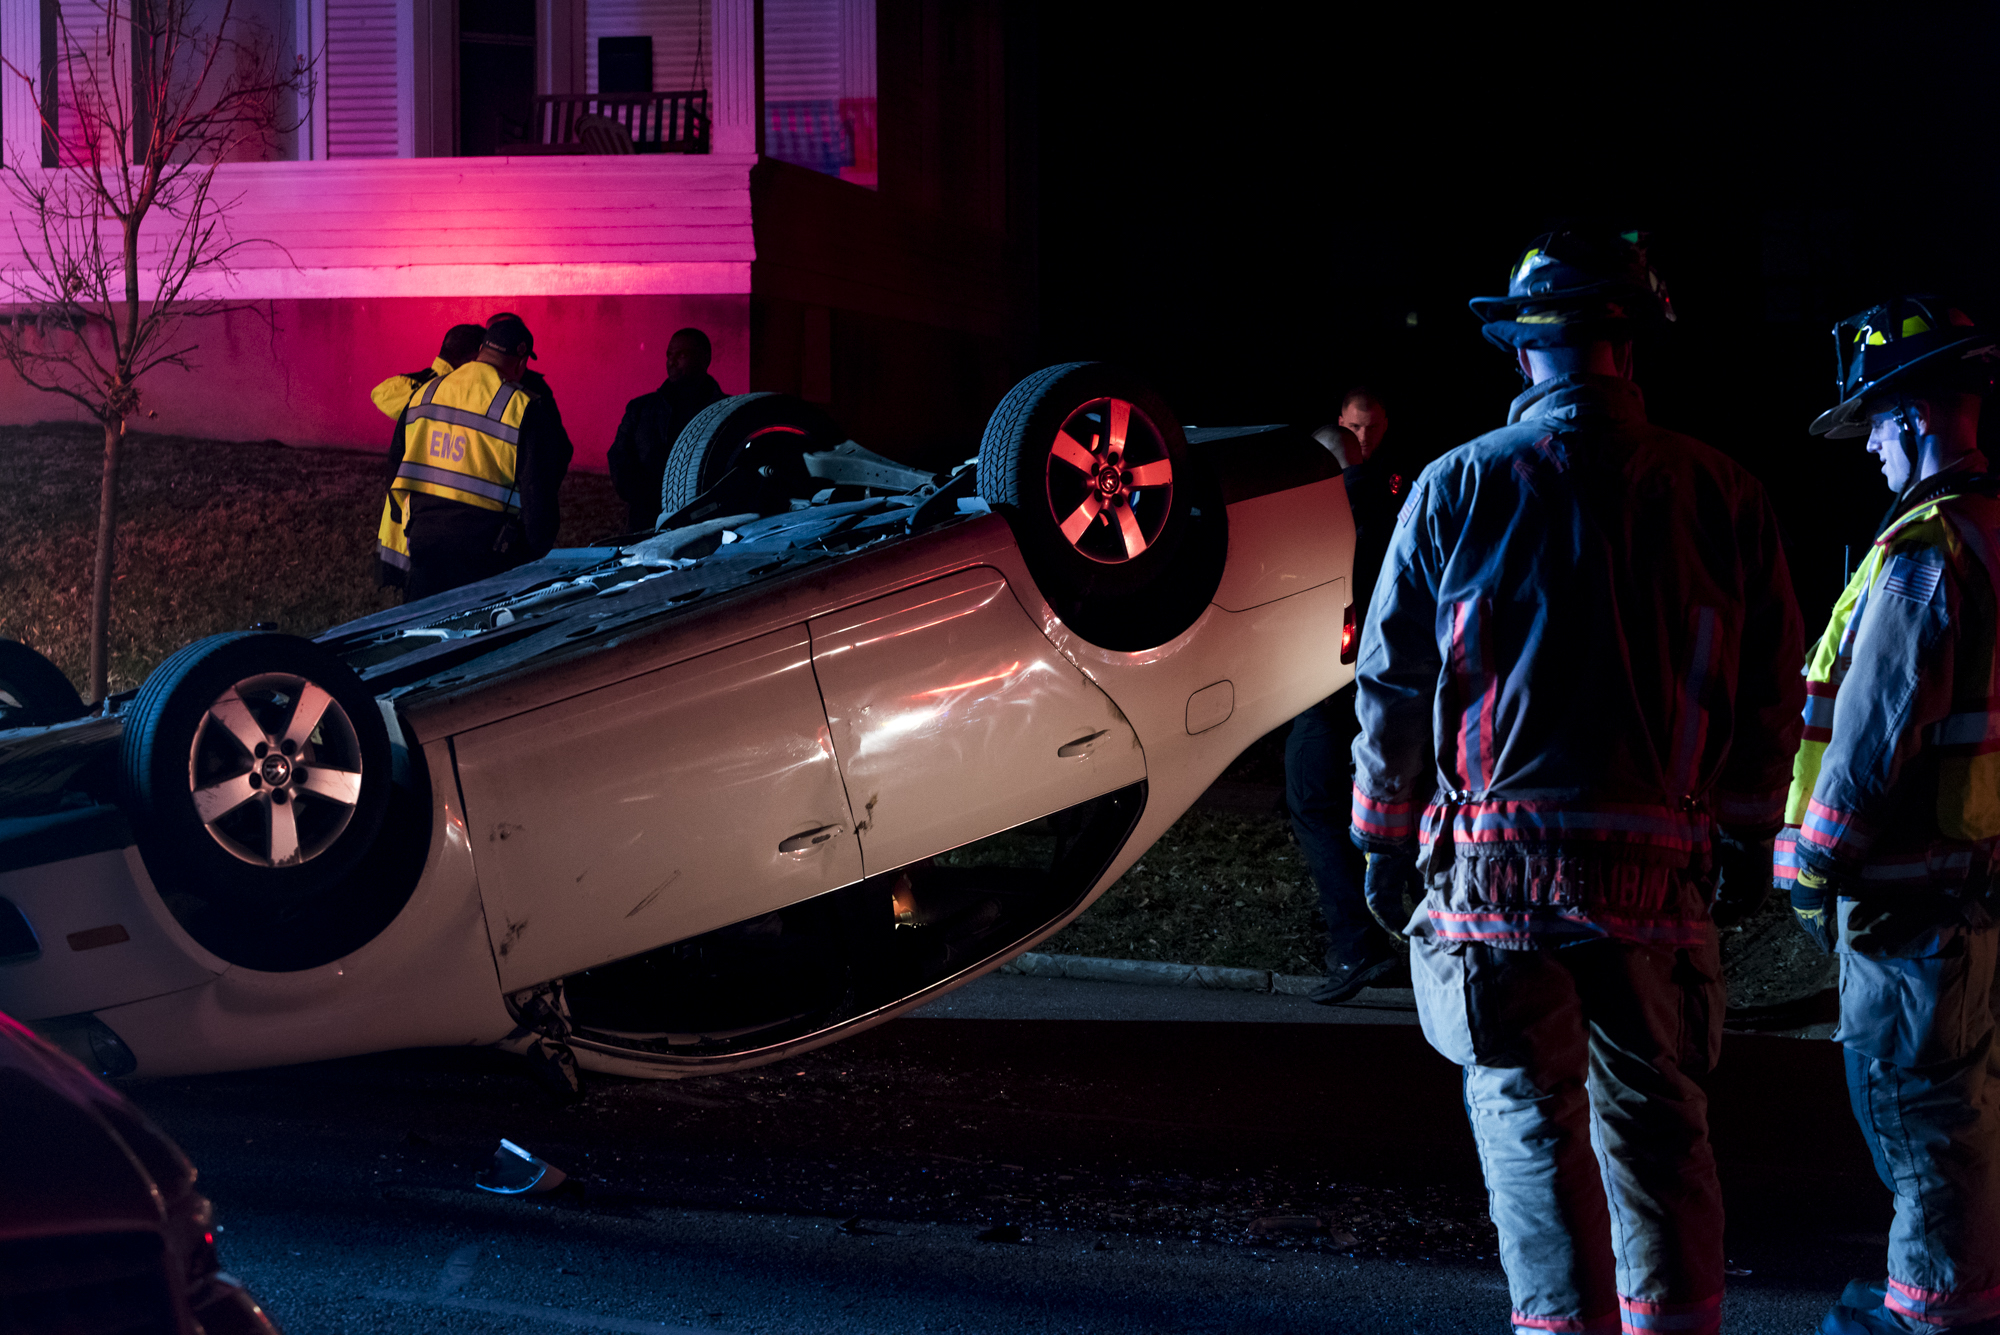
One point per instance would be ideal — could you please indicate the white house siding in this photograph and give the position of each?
(683, 44)
(603, 256)
(801, 50)
(431, 226)
(361, 111)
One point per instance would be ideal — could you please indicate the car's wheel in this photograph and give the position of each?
(1118, 526)
(33, 691)
(766, 431)
(255, 770)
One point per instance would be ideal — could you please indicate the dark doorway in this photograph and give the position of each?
(496, 75)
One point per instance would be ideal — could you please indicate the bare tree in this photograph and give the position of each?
(125, 240)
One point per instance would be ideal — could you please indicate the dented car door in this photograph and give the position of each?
(953, 717)
(655, 809)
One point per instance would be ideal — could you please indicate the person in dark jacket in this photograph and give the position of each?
(1318, 771)
(1581, 658)
(653, 422)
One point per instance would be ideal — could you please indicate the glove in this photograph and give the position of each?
(1391, 889)
(1813, 905)
(1742, 878)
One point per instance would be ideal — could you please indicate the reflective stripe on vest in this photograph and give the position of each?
(461, 440)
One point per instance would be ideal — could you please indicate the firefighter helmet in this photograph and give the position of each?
(1904, 346)
(1573, 287)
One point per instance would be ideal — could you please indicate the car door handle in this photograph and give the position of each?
(1082, 745)
(799, 843)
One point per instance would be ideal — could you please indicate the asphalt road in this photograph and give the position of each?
(1132, 1152)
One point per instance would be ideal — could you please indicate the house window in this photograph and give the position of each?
(496, 75)
(819, 86)
(95, 80)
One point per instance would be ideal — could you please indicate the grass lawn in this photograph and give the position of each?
(1218, 889)
(212, 536)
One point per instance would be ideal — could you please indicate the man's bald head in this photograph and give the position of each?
(1364, 415)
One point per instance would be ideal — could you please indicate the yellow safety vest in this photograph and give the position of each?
(392, 396)
(1968, 772)
(460, 438)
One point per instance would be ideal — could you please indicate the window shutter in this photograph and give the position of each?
(801, 50)
(360, 78)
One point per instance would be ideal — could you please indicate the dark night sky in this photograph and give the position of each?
(1247, 209)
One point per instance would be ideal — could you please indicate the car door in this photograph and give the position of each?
(655, 809)
(954, 718)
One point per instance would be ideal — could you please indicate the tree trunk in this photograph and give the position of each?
(107, 541)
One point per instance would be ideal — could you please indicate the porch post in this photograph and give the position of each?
(735, 97)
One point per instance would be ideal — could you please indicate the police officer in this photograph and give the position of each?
(392, 396)
(1894, 813)
(483, 461)
(1596, 614)
(1317, 748)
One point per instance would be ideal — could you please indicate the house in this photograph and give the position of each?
(843, 199)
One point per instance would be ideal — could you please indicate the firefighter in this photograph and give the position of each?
(483, 460)
(392, 396)
(1596, 613)
(1894, 813)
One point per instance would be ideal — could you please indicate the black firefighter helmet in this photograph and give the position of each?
(1576, 286)
(1904, 346)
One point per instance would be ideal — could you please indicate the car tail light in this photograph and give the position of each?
(1350, 636)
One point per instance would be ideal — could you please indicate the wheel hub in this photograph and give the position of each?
(1110, 481)
(274, 770)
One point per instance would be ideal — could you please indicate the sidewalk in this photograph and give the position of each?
(1029, 996)
(1078, 987)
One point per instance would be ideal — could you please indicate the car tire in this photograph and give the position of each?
(771, 430)
(232, 797)
(33, 691)
(1122, 531)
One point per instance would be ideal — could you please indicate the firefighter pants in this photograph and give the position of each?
(1584, 1069)
(1924, 1079)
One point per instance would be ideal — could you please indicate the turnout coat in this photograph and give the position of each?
(1583, 651)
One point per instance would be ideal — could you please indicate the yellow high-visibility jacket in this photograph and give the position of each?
(1897, 783)
(392, 396)
(395, 393)
(460, 440)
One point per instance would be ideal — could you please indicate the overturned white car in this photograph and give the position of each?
(840, 736)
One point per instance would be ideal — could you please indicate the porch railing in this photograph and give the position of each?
(674, 122)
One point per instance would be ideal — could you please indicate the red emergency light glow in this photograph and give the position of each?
(1350, 636)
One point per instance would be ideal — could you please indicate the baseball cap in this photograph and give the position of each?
(508, 333)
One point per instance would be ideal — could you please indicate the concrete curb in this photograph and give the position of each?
(1155, 974)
